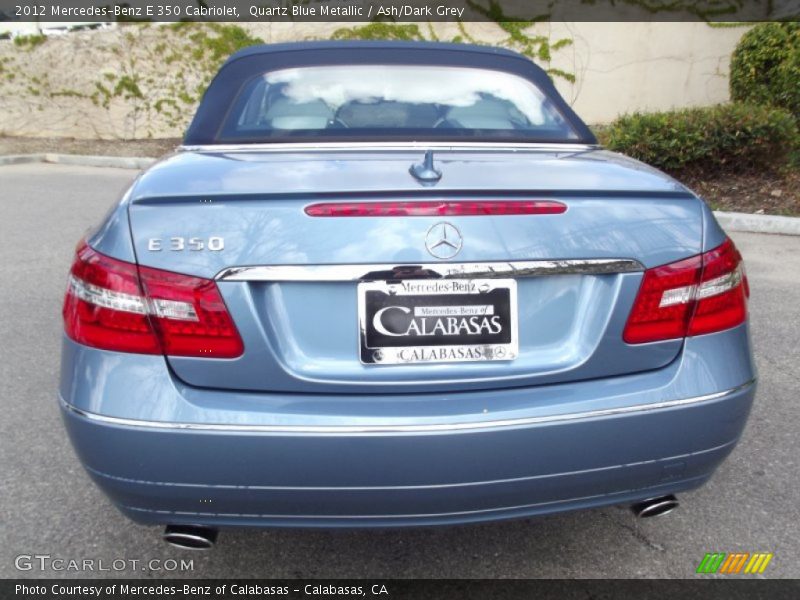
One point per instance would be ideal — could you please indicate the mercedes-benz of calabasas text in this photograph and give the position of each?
(396, 284)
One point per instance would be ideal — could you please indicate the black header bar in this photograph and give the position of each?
(734, 588)
(86, 11)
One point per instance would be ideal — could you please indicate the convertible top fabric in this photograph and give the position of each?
(254, 61)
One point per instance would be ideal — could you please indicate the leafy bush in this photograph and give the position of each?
(30, 41)
(728, 137)
(380, 31)
(765, 67)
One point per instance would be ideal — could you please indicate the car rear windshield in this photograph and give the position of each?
(393, 102)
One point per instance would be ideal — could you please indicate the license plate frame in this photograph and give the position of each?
(429, 301)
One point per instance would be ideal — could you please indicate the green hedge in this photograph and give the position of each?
(730, 137)
(765, 67)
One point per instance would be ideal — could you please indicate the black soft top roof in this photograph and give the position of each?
(254, 61)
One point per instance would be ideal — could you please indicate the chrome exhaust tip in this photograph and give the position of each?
(190, 537)
(655, 507)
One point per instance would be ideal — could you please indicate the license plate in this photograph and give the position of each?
(433, 321)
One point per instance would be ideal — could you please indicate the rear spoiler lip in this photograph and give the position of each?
(421, 194)
(375, 170)
(356, 146)
(473, 270)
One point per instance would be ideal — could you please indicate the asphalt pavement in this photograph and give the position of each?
(48, 506)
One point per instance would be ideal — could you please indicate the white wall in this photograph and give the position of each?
(625, 67)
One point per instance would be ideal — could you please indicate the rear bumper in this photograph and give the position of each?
(228, 477)
(167, 453)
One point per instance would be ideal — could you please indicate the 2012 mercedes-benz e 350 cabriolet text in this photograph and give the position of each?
(386, 284)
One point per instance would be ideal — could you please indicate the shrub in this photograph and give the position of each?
(30, 41)
(380, 31)
(765, 67)
(727, 137)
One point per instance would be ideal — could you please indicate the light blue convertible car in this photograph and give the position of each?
(387, 284)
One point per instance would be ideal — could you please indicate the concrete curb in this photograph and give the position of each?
(730, 221)
(119, 162)
(20, 159)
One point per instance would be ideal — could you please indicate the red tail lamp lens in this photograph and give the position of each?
(699, 295)
(114, 305)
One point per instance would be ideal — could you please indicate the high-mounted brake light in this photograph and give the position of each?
(114, 305)
(699, 295)
(438, 208)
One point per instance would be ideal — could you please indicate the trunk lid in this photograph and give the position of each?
(299, 319)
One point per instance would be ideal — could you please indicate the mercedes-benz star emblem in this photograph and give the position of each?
(443, 240)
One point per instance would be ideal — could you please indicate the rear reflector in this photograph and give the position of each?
(110, 304)
(439, 208)
(699, 295)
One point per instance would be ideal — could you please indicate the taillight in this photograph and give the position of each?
(437, 208)
(104, 306)
(721, 297)
(189, 315)
(698, 295)
(114, 305)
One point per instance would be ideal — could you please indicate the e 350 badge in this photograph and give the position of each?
(177, 244)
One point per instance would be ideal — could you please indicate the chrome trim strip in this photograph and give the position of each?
(421, 428)
(478, 270)
(359, 146)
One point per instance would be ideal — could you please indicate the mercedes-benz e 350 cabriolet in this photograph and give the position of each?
(387, 284)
